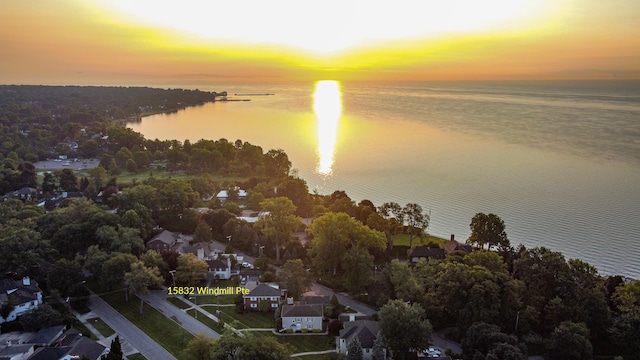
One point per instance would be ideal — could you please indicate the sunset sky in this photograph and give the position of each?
(135, 42)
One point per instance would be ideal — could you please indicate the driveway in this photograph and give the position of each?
(127, 331)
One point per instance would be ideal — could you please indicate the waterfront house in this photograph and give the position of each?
(424, 253)
(298, 317)
(451, 246)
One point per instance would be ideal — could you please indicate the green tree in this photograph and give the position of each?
(40, 317)
(279, 221)
(115, 267)
(68, 180)
(416, 220)
(66, 277)
(488, 229)
(200, 347)
(296, 278)
(486, 339)
(142, 278)
(115, 350)
(357, 264)
(354, 350)
(249, 347)
(378, 351)
(277, 163)
(404, 327)
(626, 324)
(333, 234)
(389, 219)
(190, 271)
(570, 341)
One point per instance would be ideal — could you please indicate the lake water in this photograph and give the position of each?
(559, 162)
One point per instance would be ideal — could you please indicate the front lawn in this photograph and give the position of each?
(248, 320)
(303, 343)
(403, 239)
(161, 329)
(101, 326)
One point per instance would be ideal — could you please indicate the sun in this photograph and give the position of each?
(328, 26)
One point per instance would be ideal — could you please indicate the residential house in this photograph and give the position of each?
(46, 336)
(262, 292)
(24, 194)
(16, 352)
(163, 241)
(424, 253)
(24, 295)
(223, 195)
(452, 245)
(365, 330)
(71, 345)
(219, 269)
(298, 317)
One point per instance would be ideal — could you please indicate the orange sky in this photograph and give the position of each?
(125, 42)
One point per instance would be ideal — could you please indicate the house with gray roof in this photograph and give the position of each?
(46, 336)
(365, 330)
(163, 241)
(298, 317)
(24, 295)
(262, 292)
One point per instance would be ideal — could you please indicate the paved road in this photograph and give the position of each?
(158, 299)
(343, 299)
(127, 331)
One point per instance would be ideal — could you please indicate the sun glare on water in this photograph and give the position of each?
(327, 105)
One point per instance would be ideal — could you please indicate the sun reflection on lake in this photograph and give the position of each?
(327, 105)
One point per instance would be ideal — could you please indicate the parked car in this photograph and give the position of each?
(433, 352)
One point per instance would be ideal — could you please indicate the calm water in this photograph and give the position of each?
(559, 162)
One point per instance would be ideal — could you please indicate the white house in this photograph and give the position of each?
(220, 269)
(24, 295)
(297, 317)
(223, 195)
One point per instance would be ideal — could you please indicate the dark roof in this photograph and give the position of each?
(217, 264)
(46, 335)
(166, 237)
(263, 290)
(69, 336)
(427, 252)
(365, 330)
(86, 347)
(49, 353)
(23, 291)
(13, 350)
(451, 246)
(302, 310)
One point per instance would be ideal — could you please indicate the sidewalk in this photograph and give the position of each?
(127, 331)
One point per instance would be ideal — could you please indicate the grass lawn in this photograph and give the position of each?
(203, 319)
(136, 356)
(304, 343)
(248, 320)
(101, 326)
(403, 239)
(161, 329)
